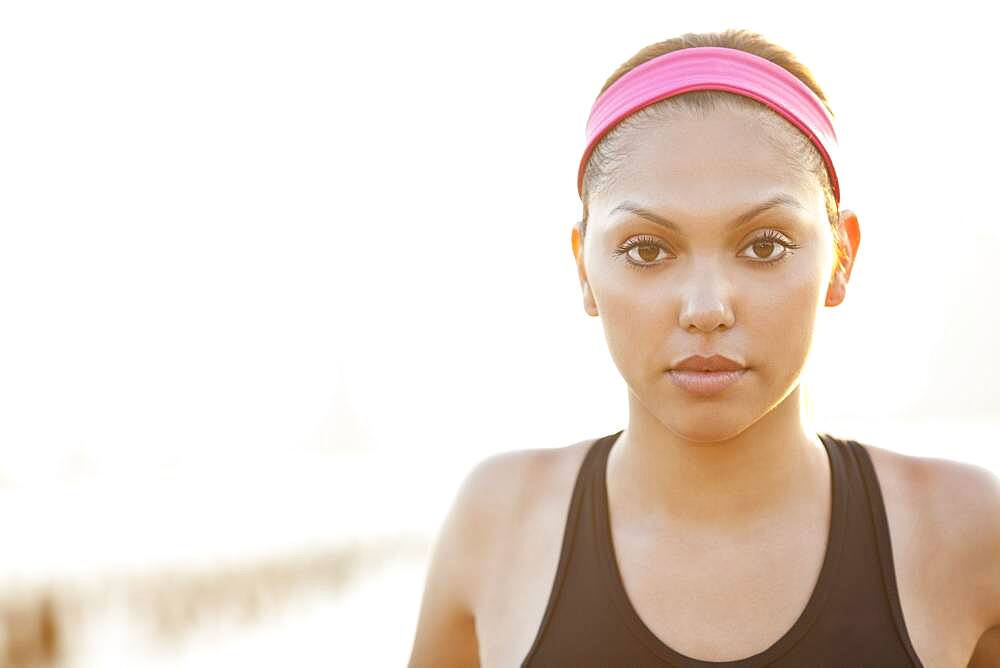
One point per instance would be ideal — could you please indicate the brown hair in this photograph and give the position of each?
(598, 172)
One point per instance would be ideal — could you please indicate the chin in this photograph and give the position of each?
(706, 432)
(704, 422)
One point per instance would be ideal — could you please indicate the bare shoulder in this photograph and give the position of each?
(955, 507)
(519, 475)
(967, 501)
(496, 491)
(494, 499)
(961, 499)
(504, 490)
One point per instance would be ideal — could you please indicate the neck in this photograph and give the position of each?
(722, 480)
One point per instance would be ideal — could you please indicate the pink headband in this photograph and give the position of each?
(714, 68)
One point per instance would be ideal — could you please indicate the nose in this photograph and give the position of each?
(706, 304)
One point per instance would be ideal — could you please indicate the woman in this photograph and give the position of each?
(717, 529)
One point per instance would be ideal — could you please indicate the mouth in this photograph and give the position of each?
(705, 383)
(712, 363)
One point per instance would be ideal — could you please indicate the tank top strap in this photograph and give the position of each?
(883, 544)
(581, 494)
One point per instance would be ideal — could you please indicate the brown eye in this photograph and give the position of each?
(648, 253)
(643, 251)
(644, 255)
(763, 249)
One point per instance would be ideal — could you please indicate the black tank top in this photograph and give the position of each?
(853, 617)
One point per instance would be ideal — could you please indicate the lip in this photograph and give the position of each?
(713, 363)
(705, 383)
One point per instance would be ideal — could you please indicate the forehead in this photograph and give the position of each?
(706, 165)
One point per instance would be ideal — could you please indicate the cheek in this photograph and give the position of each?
(637, 316)
(781, 316)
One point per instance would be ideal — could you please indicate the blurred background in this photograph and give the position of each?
(275, 275)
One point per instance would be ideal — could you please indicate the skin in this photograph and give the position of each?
(693, 481)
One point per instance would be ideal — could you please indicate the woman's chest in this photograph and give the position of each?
(715, 602)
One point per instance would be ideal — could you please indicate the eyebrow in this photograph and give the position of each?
(736, 223)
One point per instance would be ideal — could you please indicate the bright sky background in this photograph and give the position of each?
(235, 234)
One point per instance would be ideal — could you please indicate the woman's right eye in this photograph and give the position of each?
(645, 252)
(642, 251)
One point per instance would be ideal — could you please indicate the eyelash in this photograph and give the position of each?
(769, 236)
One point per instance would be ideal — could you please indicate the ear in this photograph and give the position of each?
(589, 304)
(849, 235)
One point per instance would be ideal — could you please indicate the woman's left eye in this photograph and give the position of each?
(763, 247)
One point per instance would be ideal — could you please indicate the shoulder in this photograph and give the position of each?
(948, 488)
(495, 498)
(956, 499)
(955, 508)
(967, 503)
(499, 495)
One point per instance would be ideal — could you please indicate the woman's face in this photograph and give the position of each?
(748, 288)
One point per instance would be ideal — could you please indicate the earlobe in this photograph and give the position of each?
(835, 293)
(589, 304)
